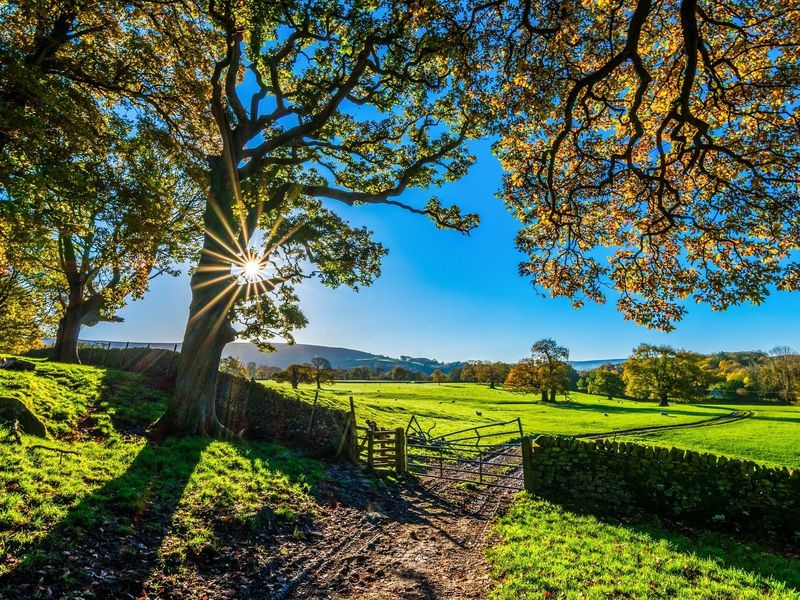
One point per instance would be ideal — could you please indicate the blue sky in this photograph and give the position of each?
(453, 297)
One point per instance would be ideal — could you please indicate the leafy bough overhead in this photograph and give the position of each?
(651, 147)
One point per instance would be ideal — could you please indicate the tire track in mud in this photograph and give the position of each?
(424, 539)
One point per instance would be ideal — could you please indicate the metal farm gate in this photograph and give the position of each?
(479, 455)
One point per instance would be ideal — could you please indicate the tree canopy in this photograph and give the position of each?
(661, 372)
(651, 149)
(313, 105)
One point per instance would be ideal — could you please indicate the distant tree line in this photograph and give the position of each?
(659, 373)
(664, 374)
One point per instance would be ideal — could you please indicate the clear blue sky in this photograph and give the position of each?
(452, 297)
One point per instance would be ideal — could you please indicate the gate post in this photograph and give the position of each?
(370, 448)
(401, 460)
(527, 463)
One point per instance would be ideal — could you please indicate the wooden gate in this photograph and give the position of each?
(478, 455)
(383, 448)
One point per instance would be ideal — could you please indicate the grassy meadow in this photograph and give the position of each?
(770, 436)
(545, 551)
(162, 506)
(161, 510)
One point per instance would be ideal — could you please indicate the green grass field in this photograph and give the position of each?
(770, 436)
(188, 498)
(544, 551)
(184, 494)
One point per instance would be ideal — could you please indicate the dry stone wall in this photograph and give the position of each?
(624, 478)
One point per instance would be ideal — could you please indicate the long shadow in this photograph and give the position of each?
(108, 543)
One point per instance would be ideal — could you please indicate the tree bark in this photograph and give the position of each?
(552, 394)
(544, 395)
(663, 401)
(192, 408)
(69, 330)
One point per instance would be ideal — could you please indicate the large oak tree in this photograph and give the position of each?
(98, 135)
(315, 104)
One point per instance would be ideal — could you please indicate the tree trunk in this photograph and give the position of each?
(192, 408)
(552, 394)
(69, 330)
(544, 395)
(662, 401)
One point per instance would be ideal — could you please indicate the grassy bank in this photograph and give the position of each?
(118, 496)
(544, 551)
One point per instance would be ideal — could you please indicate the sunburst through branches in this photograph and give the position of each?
(251, 268)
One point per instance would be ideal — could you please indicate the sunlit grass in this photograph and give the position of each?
(193, 489)
(545, 551)
(770, 437)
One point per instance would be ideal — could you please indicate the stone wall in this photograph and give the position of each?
(260, 413)
(247, 407)
(623, 478)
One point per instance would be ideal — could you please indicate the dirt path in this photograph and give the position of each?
(424, 540)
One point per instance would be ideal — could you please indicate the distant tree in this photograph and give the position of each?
(582, 385)
(360, 373)
(295, 374)
(781, 373)
(468, 372)
(661, 372)
(603, 382)
(572, 377)
(454, 375)
(233, 366)
(265, 371)
(555, 370)
(492, 373)
(252, 369)
(525, 377)
(437, 376)
(322, 370)
(398, 374)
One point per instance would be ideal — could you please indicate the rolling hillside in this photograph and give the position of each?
(340, 358)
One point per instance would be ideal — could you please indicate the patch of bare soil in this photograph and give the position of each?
(424, 540)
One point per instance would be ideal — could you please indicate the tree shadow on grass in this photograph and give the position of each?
(108, 544)
(110, 540)
(730, 552)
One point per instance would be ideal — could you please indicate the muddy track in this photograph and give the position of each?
(423, 539)
(713, 421)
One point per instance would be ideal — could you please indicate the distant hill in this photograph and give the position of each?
(340, 358)
(588, 365)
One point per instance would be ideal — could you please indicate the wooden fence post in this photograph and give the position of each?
(345, 435)
(352, 446)
(527, 463)
(370, 456)
(401, 459)
(311, 417)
